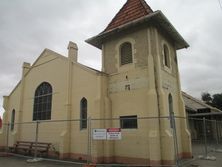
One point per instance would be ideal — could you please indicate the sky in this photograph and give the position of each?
(27, 27)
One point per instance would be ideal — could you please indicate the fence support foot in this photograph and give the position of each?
(211, 158)
(34, 160)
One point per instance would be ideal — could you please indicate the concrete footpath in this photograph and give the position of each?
(197, 162)
(12, 161)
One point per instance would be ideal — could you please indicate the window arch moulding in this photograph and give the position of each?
(42, 102)
(127, 65)
(166, 57)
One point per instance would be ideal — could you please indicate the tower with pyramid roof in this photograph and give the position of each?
(137, 93)
(139, 55)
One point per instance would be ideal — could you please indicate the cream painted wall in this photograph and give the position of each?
(13, 104)
(171, 85)
(138, 40)
(145, 89)
(150, 85)
(85, 84)
(43, 73)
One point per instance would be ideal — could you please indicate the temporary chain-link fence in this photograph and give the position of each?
(116, 141)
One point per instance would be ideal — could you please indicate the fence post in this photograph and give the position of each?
(89, 141)
(205, 135)
(173, 126)
(7, 137)
(36, 138)
(216, 129)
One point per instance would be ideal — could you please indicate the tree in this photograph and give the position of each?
(217, 101)
(206, 97)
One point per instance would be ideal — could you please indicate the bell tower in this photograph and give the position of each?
(139, 55)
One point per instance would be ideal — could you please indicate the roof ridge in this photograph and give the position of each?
(131, 10)
(116, 15)
(145, 5)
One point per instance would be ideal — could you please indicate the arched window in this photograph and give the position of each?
(166, 56)
(170, 101)
(171, 113)
(13, 120)
(42, 102)
(126, 54)
(83, 113)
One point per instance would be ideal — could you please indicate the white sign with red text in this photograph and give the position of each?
(114, 134)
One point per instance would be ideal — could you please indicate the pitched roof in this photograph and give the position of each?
(132, 10)
(194, 104)
(133, 14)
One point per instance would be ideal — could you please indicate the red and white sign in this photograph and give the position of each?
(114, 134)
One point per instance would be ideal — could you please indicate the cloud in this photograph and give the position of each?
(200, 65)
(27, 27)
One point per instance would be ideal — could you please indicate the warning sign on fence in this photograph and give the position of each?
(99, 134)
(107, 134)
(114, 134)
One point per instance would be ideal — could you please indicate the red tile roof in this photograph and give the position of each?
(132, 10)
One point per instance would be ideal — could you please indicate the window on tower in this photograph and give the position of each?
(126, 54)
(166, 56)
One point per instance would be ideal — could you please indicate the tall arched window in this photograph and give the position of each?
(166, 56)
(13, 120)
(170, 101)
(171, 113)
(83, 113)
(126, 54)
(43, 102)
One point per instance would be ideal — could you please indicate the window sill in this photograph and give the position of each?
(126, 67)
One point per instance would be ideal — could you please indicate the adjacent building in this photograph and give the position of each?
(197, 111)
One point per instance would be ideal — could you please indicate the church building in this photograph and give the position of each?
(139, 80)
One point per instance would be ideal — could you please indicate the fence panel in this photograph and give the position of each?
(4, 137)
(127, 140)
(206, 141)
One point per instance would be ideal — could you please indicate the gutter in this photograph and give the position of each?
(156, 16)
